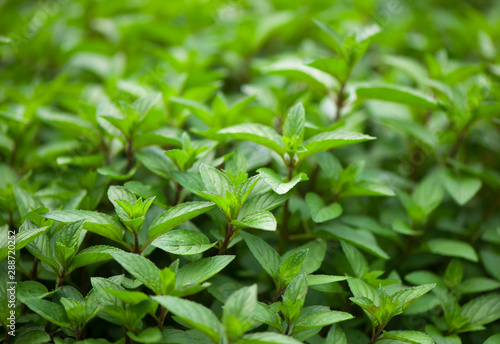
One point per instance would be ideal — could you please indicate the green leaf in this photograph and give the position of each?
(331, 139)
(69, 235)
(319, 212)
(128, 296)
(482, 310)
(194, 314)
(477, 285)
(277, 183)
(411, 337)
(22, 239)
(360, 288)
(324, 279)
(357, 237)
(432, 331)
(30, 290)
(295, 122)
(291, 267)
(264, 201)
(257, 133)
(215, 181)
(461, 188)
(263, 220)
(243, 190)
(267, 315)
(33, 336)
(49, 311)
(397, 94)
(293, 298)
(177, 215)
(150, 335)
(320, 319)
(199, 271)
(406, 297)
(198, 109)
(91, 255)
(297, 71)
(239, 310)
(356, 259)
(141, 268)
(267, 338)
(495, 339)
(145, 103)
(264, 253)
(95, 222)
(452, 248)
(183, 242)
(332, 65)
(26, 202)
(155, 160)
(334, 38)
(335, 335)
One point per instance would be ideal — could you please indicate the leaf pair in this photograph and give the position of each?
(230, 199)
(291, 146)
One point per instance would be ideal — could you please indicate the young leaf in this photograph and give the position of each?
(293, 299)
(291, 267)
(215, 181)
(183, 242)
(295, 122)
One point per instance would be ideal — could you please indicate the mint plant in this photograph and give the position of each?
(240, 172)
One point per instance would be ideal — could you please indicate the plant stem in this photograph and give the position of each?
(129, 152)
(11, 222)
(339, 101)
(278, 294)
(163, 314)
(227, 239)
(178, 190)
(60, 279)
(284, 225)
(458, 142)
(136, 243)
(34, 270)
(376, 335)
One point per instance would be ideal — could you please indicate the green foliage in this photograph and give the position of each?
(249, 172)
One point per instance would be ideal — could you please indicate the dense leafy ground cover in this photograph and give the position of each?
(267, 171)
